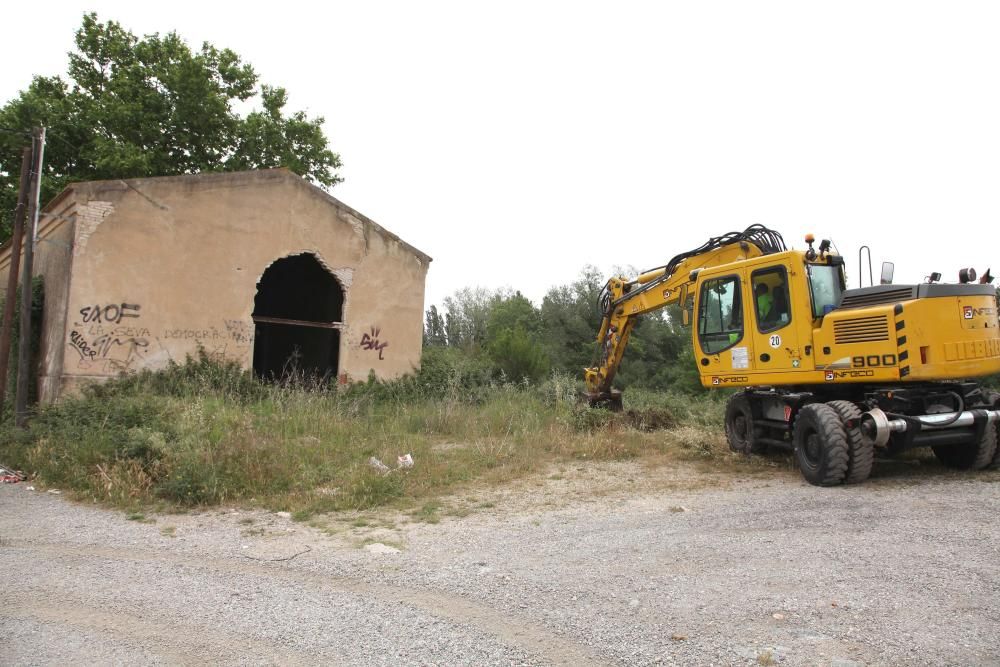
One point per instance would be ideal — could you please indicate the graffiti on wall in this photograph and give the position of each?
(370, 341)
(103, 343)
(109, 352)
(112, 313)
(202, 335)
(240, 331)
(109, 338)
(82, 347)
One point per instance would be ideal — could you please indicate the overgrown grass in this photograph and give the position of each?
(206, 433)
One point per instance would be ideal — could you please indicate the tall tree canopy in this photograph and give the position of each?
(154, 107)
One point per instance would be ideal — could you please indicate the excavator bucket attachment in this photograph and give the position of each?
(609, 400)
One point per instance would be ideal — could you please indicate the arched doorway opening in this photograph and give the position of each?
(297, 314)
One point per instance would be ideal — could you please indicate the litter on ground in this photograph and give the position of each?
(403, 461)
(11, 476)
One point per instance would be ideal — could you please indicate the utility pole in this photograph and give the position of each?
(24, 343)
(15, 265)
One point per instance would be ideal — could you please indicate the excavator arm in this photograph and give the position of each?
(622, 301)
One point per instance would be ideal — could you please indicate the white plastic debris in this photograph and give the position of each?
(404, 461)
(55, 491)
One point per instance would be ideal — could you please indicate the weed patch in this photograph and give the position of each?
(206, 433)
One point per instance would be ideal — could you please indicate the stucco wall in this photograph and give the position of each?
(163, 266)
(53, 261)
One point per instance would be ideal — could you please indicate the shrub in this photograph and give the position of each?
(518, 356)
(195, 377)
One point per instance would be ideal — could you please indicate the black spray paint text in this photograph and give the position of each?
(112, 313)
(371, 342)
(105, 345)
(81, 346)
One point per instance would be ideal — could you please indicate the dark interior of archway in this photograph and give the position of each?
(297, 288)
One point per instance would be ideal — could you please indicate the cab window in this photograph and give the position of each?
(720, 314)
(826, 285)
(770, 298)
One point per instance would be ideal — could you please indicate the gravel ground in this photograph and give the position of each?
(689, 569)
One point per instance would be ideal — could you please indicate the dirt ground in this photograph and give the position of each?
(618, 563)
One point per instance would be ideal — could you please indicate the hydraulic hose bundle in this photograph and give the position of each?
(767, 240)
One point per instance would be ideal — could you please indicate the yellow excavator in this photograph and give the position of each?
(836, 374)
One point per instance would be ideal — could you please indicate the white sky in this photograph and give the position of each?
(516, 142)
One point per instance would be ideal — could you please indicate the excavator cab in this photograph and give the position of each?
(755, 317)
(748, 316)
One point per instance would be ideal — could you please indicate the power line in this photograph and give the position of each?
(49, 133)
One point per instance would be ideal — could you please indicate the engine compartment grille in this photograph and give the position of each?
(869, 297)
(861, 330)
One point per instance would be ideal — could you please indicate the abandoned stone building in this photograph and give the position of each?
(259, 267)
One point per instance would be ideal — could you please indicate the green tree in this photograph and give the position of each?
(508, 313)
(659, 349)
(518, 356)
(513, 334)
(434, 329)
(659, 353)
(467, 314)
(154, 107)
(571, 319)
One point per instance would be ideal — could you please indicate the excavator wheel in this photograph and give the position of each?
(740, 426)
(860, 454)
(821, 448)
(994, 399)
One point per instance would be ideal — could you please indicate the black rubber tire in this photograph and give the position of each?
(820, 445)
(860, 454)
(974, 456)
(740, 427)
(994, 399)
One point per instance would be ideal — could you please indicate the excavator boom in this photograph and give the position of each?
(622, 301)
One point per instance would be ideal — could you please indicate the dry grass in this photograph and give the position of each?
(210, 435)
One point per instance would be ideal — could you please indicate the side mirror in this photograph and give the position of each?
(888, 268)
(686, 317)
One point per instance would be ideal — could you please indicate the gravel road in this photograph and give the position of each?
(766, 570)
